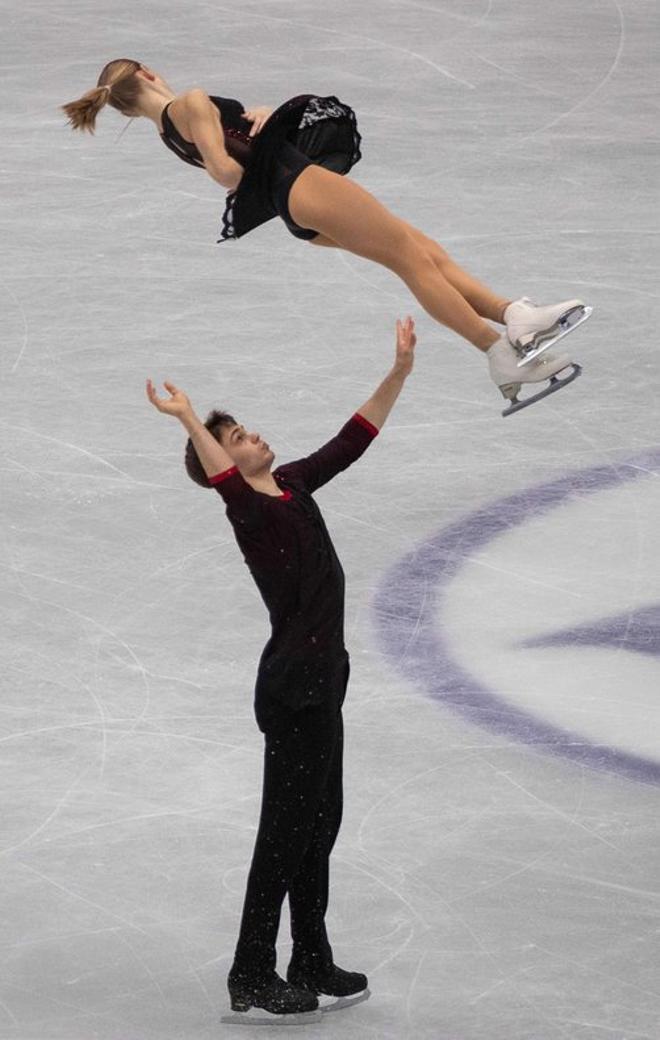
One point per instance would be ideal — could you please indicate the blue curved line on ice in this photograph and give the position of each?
(637, 632)
(409, 598)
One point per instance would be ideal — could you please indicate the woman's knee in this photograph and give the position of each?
(440, 256)
(415, 257)
(438, 253)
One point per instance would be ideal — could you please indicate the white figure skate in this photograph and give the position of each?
(506, 374)
(531, 329)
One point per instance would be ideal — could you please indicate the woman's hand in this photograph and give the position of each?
(258, 117)
(177, 404)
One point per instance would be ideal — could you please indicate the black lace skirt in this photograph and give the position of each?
(322, 130)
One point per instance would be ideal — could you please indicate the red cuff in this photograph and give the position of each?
(373, 430)
(219, 477)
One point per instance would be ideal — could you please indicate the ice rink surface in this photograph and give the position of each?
(497, 870)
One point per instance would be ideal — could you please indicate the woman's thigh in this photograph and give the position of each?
(438, 255)
(344, 213)
(323, 240)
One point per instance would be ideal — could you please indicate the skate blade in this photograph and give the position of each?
(340, 1003)
(554, 385)
(568, 322)
(260, 1017)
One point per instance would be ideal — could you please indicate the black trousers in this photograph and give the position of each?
(301, 813)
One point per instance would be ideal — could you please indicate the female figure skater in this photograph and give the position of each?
(301, 681)
(289, 163)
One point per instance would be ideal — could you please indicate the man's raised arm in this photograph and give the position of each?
(381, 402)
(358, 433)
(211, 454)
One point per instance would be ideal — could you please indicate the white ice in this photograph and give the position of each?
(497, 870)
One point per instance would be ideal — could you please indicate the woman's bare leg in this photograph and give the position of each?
(486, 303)
(323, 240)
(344, 213)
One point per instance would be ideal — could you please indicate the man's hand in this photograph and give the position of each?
(258, 117)
(176, 404)
(379, 405)
(405, 346)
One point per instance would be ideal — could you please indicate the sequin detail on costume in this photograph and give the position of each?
(323, 108)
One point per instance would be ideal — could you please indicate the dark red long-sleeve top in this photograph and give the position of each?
(288, 550)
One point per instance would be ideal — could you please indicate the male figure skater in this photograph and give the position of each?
(301, 682)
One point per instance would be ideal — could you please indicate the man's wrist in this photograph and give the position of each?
(190, 421)
(399, 372)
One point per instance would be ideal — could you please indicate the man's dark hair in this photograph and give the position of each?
(214, 422)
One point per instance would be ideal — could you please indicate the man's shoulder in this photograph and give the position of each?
(287, 473)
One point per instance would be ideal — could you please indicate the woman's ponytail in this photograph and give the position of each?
(118, 86)
(83, 112)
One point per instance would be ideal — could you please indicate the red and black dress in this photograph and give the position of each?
(305, 130)
(300, 688)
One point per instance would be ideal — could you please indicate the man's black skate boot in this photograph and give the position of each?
(320, 976)
(276, 996)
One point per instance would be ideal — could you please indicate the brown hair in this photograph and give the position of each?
(117, 86)
(214, 422)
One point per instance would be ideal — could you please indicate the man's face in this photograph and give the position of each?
(247, 450)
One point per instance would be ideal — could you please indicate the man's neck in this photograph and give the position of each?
(264, 482)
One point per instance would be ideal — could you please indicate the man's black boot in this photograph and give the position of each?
(274, 995)
(318, 976)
